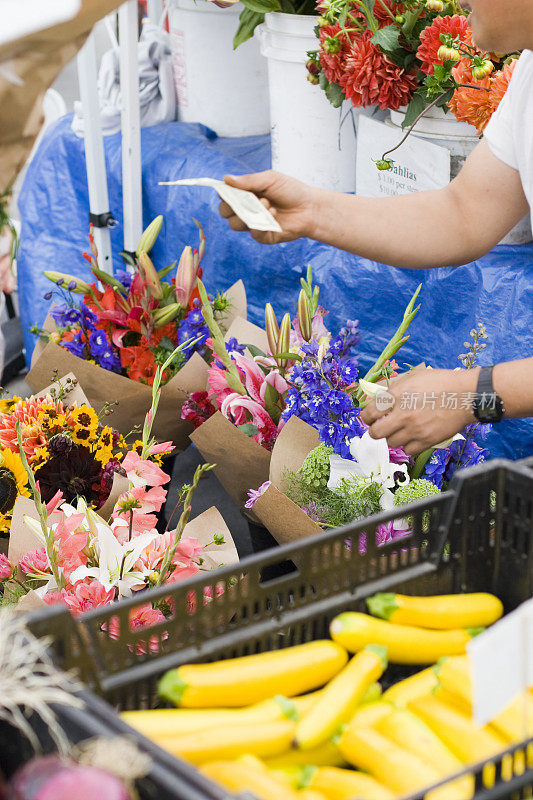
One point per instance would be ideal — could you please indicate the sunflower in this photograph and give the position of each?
(7, 404)
(13, 480)
(5, 523)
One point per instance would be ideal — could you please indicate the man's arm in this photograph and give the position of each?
(434, 404)
(428, 229)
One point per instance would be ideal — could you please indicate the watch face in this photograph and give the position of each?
(489, 407)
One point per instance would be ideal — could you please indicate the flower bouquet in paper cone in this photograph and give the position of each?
(115, 338)
(67, 552)
(327, 471)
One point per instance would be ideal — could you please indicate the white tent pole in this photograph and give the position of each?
(131, 125)
(155, 10)
(94, 150)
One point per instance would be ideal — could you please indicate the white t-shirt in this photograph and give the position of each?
(509, 133)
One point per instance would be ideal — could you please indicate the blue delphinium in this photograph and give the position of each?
(193, 327)
(436, 466)
(461, 453)
(318, 395)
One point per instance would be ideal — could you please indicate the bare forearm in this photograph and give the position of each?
(513, 381)
(414, 231)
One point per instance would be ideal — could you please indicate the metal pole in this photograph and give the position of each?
(131, 125)
(94, 149)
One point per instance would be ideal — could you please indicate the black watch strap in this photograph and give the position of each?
(487, 405)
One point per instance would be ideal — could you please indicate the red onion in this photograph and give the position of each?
(53, 778)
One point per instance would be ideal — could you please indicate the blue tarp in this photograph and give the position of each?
(54, 205)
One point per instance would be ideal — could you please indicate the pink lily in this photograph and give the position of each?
(254, 376)
(235, 407)
(186, 275)
(277, 382)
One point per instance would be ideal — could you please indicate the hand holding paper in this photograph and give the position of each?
(246, 205)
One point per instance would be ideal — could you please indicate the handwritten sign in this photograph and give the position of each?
(419, 165)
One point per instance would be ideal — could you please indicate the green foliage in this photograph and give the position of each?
(413, 491)
(334, 92)
(248, 22)
(249, 429)
(354, 499)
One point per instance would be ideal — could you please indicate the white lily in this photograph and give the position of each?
(371, 460)
(115, 561)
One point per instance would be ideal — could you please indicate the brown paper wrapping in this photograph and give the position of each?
(204, 528)
(134, 399)
(247, 333)
(37, 60)
(284, 519)
(241, 463)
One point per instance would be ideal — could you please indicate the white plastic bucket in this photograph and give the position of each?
(223, 88)
(311, 140)
(459, 138)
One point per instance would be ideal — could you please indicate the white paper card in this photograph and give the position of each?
(501, 661)
(246, 205)
(419, 165)
(22, 17)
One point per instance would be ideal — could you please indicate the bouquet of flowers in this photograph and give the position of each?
(326, 470)
(116, 337)
(68, 447)
(252, 392)
(68, 552)
(416, 54)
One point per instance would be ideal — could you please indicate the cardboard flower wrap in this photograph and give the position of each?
(284, 519)
(133, 399)
(241, 463)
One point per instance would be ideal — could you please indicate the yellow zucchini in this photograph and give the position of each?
(396, 768)
(454, 675)
(311, 794)
(417, 685)
(466, 740)
(239, 682)
(237, 776)
(405, 644)
(441, 612)
(369, 715)
(175, 721)
(340, 698)
(516, 721)
(408, 731)
(327, 754)
(345, 784)
(265, 740)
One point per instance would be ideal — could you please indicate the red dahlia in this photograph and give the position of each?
(370, 79)
(333, 63)
(456, 26)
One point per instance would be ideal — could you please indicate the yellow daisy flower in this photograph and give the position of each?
(85, 418)
(40, 457)
(6, 405)
(5, 523)
(83, 436)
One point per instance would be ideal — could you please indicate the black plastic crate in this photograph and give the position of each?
(478, 536)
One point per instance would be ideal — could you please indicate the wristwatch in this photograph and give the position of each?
(487, 405)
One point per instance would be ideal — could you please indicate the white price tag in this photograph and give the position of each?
(419, 165)
(501, 661)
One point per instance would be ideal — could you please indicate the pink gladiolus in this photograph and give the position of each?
(188, 552)
(71, 545)
(34, 562)
(186, 275)
(55, 502)
(141, 472)
(142, 617)
(5, 568)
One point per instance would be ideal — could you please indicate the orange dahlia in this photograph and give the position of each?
(333, 63)
(27, 413)
(456, 26)
(381, 15)
(500, 82)
(371, 79)
(472, 105)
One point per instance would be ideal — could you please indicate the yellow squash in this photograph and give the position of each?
(396, 768)
(340, 698)
(405, 645)
(417, 685)
(175, 721)
(345, 784)
(408, 731)
(264, 740)
(238, 776)
(239, 682)
(467, 741)
(369, 715)
(327, 754)
(441, 612)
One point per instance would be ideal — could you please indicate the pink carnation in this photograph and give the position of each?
(5, 568)
(85, 596)
(35, 562)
